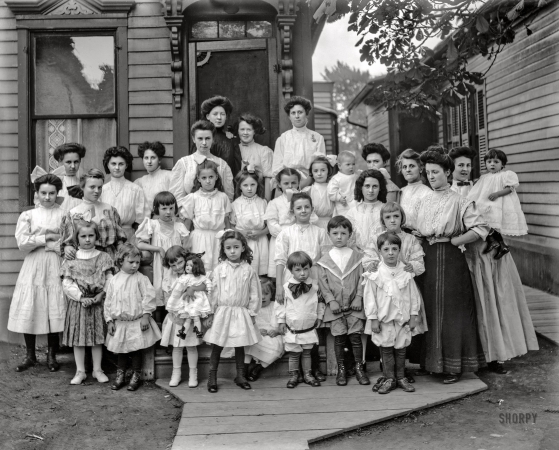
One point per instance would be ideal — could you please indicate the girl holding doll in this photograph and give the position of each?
(126, 197)
(111, 234)
(236, 300)
(278, 212)
(84, 280)
(175, 261)
(208, 208)
(321, 170)
(247, 216)
(364, 213)
(128, 306)
(158, 235)
(38, 305)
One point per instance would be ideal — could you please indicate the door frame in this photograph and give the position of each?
(229, 46)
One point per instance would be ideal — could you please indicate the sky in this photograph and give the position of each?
(338, 44)
(93, 52)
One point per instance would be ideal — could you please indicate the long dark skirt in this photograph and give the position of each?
(452, 343)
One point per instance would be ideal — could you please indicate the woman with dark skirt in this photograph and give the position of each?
(447, 222)
(217, 110)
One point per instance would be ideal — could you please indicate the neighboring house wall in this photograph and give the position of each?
(377, 125)
(10, 257)
(522, 96)
(323, 121)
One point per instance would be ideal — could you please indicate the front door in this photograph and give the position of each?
(243, 71)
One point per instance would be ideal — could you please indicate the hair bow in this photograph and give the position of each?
(38, 172)
(198, 255)
(220, 234)
(332, 159)
(88, 215)
(289, 193)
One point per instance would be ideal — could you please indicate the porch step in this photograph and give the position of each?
(164, 364)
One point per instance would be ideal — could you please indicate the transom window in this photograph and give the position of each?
(229, 29)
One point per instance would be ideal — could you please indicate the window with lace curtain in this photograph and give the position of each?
(73, 95)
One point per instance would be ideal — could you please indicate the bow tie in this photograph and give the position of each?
(299, 289)
(462, 183)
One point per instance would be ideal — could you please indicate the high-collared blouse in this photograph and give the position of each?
(152, 184)
(409, 196)
(296, 148)
(248, 213)
(127, 198)
(258, 155)
(444, 214)
(184, 173)
(34, 225)
(207, 210)
(365, 218)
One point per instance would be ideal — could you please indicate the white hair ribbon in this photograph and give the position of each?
(220, 234)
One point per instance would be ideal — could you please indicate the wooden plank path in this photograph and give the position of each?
(273, 417)
(544, 309)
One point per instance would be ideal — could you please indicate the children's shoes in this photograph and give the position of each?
(79, 378)
(405, 385)
(119, 380)
(135, 381)
(388, 385)
(197, 332)
(175, 377)
(181, 334)
(310, 379)
(293, 380)
(100, 376)
(193, 378)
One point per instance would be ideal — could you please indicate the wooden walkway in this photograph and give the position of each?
(544, 309)
(273, 417)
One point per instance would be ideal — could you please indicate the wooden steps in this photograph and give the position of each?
(272, 417)
(544, 309)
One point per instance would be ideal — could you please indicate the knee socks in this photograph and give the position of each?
(215, 356)
(294, 358)
(356, 346)
(339, 348)
(53, 341)
(306, 360)
(30, 340)
(122, 361)
(192, 356)
(177, 356)
(97, 356)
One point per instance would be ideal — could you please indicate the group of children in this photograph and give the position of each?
(337, 258)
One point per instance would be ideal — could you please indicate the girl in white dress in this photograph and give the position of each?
(129, 303)
(175, 260)
(278, 212)
(159, 235)
(364, 214)
(496, 197)
(126, 197)
(410, 167)
(208, 208)
(190, 308)
(236, 299)
(38, 305)
(297, 147)
(253, 153)
(270, 348)
(157, 179)
(321, 171)
(247, 216)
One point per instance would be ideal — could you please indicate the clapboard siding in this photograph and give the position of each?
(10, 257)
(377, 125)
(149, 84)
(323, 122)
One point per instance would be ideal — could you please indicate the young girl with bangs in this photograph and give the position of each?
(158, 235)
(236, 299)
(321, 171)
(247, 216)
(208, 209)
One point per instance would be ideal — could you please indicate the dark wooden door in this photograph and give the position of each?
(241, 71)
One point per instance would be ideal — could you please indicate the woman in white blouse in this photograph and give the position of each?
(126, 197)
(297, 147)
(157, 179)
(184, 172)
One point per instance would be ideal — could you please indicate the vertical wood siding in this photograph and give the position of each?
(10, 257)
(377, 124)
(522, 90)
(149, 85)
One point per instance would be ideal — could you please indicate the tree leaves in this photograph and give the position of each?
(482, 24)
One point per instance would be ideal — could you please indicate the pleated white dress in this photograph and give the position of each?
(236, 298)
(248, 215)
(38, 305)
(129, 297)
(323, 206)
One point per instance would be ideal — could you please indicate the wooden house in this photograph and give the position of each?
(516, 110)
(120, 72)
